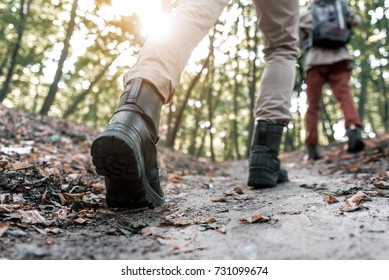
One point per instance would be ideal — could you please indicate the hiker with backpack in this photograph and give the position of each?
(325, 29)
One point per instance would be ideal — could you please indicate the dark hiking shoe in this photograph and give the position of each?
(125, 152)
(264, 165)
(355, 140)
(282, 176)
(313, 153)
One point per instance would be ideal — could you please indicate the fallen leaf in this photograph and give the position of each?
(176, 178)
(243, 220)
(98, 186)
(259, 219)
(61, 213)
(44, 199)
(330, 199)
(80, 221)
(9, 207)
(178, 223)
(3, 228)
(355, 202)
(29, 217)
(381, 185)
(111, 231)
(236, 190)
(20, 165)
(255, 219)
(219, 199)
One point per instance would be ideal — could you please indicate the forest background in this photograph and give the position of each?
(65, 59)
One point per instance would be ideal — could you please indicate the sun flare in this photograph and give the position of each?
(154, 21)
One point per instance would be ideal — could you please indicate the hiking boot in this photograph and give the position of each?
(282, 175)
(264, 165)
(313, 153)
(125, 152)
(355, 140)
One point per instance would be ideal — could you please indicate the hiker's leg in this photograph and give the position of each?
(125, 152)
(163, 59)
(315, 79)
(278, 22)
(339, 79)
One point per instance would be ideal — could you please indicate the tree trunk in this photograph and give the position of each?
(386, 99)
(171, 137)
(24, 9)
(5, 60)
(252, 90)
(58, 74)
(235, 133)
(82, 96)
(363, 93)
(210, 117)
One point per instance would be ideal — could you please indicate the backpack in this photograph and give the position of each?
(330, 28)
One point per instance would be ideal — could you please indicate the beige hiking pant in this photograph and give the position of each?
(162, 60)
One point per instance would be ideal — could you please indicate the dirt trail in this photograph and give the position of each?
(52, 204)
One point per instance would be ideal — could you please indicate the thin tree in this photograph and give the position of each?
(58, 74)
(171, 137)
(72, 108)
(24, 9)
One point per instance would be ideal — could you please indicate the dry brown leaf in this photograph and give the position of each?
(218, 199)
(259, 219)
(236, 190)
(330, 199)
(80, 221)
(203, 220)
(243, 220)
(9, 207)
(61, 213)
(62, 199)
(111, 231)
(381, 185)
(98, 186)
(255, 219)
(178, 223)
(45, 200)
(176, 178)
(68, 170)
(29, 217)
(3, 228)
(20, 165)
(72, 196)
(355, 202)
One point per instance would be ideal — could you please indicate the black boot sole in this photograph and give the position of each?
(117, 155)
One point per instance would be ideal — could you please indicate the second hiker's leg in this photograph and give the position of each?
(316, 77)
(339, 82)
(278, 22)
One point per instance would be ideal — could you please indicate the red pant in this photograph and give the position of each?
(338, 77)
